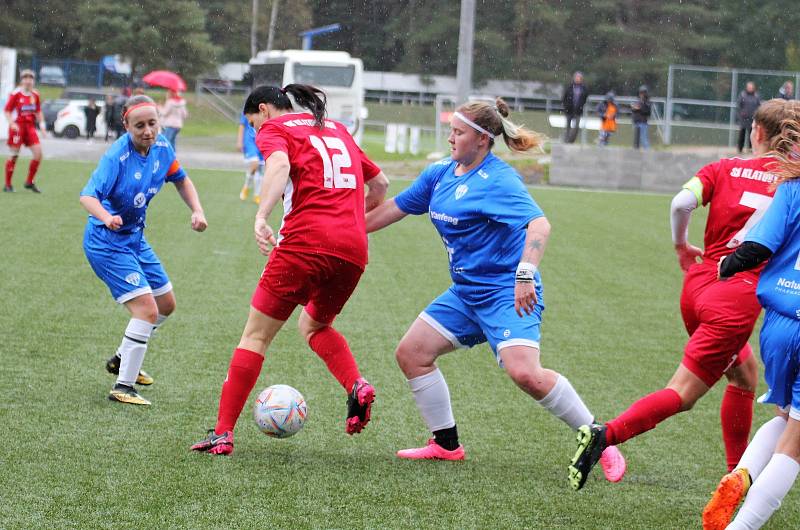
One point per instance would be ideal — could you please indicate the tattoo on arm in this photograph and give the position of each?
(536, 244)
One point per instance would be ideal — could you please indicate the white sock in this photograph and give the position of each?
(248, 179)
(565, 404)
(762, 446)
(766, 493)
(132, 350)
(258, 177)
(433, 400)
(159, 320)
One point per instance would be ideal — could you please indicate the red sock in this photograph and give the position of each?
(643, 415)
(736, 414)
(32, 168)
(242, 376)
(10, 163)
(332, 348)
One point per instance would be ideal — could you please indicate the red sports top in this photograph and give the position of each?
(739, 192)
(27, 106)
(323, 203)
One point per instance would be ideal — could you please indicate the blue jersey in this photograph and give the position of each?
(779, 231)
(125, 181)
(249, 147)
(481, 216)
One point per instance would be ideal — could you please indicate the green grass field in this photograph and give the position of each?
(72, 459)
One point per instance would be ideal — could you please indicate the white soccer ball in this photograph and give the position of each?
(280, 411)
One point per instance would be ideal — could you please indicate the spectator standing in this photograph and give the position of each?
(749, 101)
(608, 118)
(108, 115)
(173, 113)
(786, 92)
(91, 111)
(640, 114)
(574, 99)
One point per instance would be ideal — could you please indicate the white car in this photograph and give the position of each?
(71, 120)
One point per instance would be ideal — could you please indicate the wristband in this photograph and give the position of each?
(525, 272)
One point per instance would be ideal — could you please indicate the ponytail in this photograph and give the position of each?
(494, 118)
(306, 96)
(781, 122)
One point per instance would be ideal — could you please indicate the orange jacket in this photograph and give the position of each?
(608, 117)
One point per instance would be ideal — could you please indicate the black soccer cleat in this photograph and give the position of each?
(359, 406)
(32, 187)
(215, 444)
(112, 366)
(591, 444)
(8, 189)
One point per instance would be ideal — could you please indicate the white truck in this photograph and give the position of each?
(338, 74)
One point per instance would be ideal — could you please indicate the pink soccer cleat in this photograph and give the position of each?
(613, 464)
(432, 451)
(359, 406)
(215, 444)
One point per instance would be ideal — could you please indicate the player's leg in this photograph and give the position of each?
(36, 150)
(736, 409)
(11, 161)
(249, 176)
(258, 178)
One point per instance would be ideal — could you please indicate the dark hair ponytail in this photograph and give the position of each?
(307, 96)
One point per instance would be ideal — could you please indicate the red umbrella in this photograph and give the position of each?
(165, 79)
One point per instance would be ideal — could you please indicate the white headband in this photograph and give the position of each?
(473, 124)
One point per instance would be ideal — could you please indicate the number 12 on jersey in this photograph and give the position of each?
(335, 158)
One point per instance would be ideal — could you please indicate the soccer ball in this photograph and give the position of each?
(280, 411)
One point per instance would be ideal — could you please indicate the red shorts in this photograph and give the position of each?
(321, 283)
(26, 135)
(719, 317)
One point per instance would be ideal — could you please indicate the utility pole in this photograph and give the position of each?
(466, 36)
(273, 17)
(254, 30)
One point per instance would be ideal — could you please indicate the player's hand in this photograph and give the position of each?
(239, 146)
(114, 222)
(525, 298)
(265, 237)
(199, 223)
(14, 126)
(687, 255)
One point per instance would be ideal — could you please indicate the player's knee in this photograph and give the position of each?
(407, 358)
(531, 379)
(167, 307)
(148, 312)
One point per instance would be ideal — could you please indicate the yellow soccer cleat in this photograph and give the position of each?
(244, 193)
(257, 199)
(729, 494)
(126, 394)
(144, 378)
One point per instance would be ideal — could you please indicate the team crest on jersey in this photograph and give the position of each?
(484, 175)
(461, 191)
(133, 278)
(507, 333)
(138, 175)
(156, 166)
(139, 200)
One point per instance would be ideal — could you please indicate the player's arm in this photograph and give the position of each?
(42, 123)
(378, 186)
(96, 209)
(683, 204)
(240, 138)
(276, 176)
(748, 255)
(10, 120)
(188, 193)
(536, 237)
(383, 215)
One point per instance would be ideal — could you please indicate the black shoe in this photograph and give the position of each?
(8, 189)
(591, 444)
(33, 188)
(112, 366)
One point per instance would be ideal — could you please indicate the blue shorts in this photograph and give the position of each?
(125, 262)
(780, 351)
(251, 153)
(468, 317)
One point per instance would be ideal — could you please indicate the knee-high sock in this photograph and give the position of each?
(762, 446)
(433, 400)
(766, 493)
(565, 404)
(248, 178)
(332, 348)
(643, 415)
(736, 417)
(32, 168)
(10, 163)
(132, 350)
(242, 376)
(258, 177)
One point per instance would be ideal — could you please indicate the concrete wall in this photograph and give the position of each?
(625, 168)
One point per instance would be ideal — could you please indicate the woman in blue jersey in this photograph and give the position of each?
(254, 160)
(131, 172)
(495, 235)
(771, 462)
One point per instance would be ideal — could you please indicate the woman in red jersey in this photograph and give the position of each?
(317, 257)
(719, 316)
(25, 102)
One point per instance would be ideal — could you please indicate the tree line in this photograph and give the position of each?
(618, 44)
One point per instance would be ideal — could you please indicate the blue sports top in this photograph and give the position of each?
(249, 147)
(125, 181)
(779, 230)
(481, 216)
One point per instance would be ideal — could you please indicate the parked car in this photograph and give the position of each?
(83, 93)
(52, 75)
(50, 108)
(71, 120)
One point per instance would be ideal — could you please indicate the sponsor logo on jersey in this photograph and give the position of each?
(152, 191)
(139, 200)
(443, 162)
(443, 217)
(160, 143)
(138, 175)
(124, 156)
(156, 166)
(308, 123)
(788, 284)
(461, 191)
(133, 278)
(752, 174)
(484, 175)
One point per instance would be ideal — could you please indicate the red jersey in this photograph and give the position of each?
(27, 106)
(739, 192)
(323, 203)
